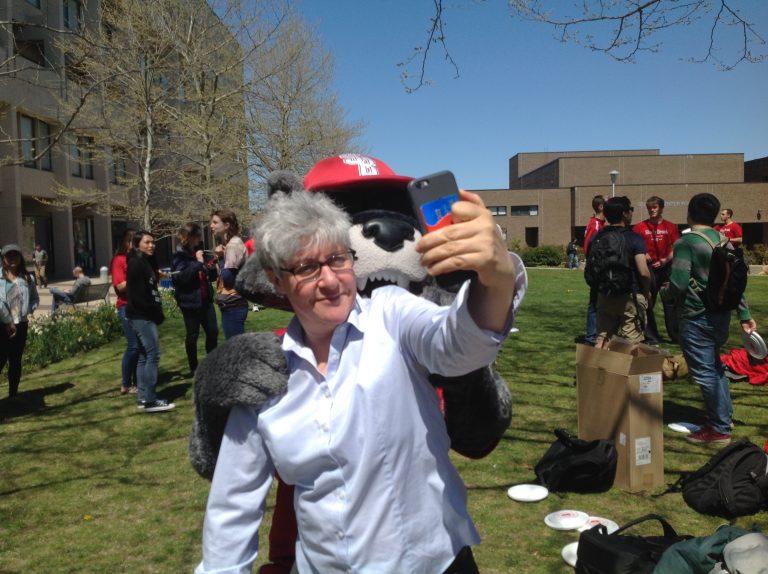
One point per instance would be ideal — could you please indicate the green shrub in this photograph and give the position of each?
(757, 254)
(170, 307)
(60, 336)
(543, 256)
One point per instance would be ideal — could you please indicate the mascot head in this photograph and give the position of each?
(384, 229)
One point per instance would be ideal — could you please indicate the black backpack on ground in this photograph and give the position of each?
(733, 483)
(622, 553)
(574, 465)
(727, 276)
(609, 266)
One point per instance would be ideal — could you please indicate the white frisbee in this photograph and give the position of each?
(610, 525)
(754, 345)
(569, 553)
(685, 428)
(527, 492)
(566, 519)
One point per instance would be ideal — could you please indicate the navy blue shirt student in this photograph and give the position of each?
(624, 314)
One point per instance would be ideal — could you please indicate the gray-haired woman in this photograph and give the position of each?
(359, 430)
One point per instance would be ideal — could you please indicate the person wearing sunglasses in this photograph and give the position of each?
(359, 430)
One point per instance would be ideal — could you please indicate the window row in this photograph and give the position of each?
(36, 151)
(29, 41)
(514, 210)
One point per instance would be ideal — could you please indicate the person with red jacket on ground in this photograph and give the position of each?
(659, 236)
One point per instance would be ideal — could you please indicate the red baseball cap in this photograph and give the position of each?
(352, 170)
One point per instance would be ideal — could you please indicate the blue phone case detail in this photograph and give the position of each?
(437, 213)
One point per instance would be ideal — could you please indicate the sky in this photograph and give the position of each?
(522, 90)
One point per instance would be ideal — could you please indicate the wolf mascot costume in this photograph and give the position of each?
(250, 369)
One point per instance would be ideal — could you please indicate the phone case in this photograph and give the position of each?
(432, 197)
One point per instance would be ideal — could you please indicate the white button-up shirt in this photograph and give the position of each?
(365, 445)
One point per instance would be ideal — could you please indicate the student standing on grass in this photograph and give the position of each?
(730, 228)
(193, 291)
(145, 312)
(119, 272)
(596, 223)
(659, 236)
(703, 331)
(359, 430)
(623, 314)
(18, 301)
(231, 253)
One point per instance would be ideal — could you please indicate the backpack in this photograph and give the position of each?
(575, 465)
(733, 483)
(727, 276)
(608, 268)
(622, 553)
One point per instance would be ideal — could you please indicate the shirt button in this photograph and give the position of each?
(340, 534)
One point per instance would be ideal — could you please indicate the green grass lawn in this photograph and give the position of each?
(90, 484)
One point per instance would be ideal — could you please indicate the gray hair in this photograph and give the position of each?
(296, 222)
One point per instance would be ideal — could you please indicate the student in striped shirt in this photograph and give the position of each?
(703, 331)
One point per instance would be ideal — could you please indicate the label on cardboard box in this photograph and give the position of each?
(622, 439)
(643, 451)
(650, 383)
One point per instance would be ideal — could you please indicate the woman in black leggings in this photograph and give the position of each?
(18, 300)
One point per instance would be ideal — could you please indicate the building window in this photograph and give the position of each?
(35, 137)
(73, 14)
(116, 166)
(81, 157)
(33, 49)
(35, 3)
(524, 210)
(498, 209)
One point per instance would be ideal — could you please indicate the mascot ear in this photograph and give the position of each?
(283, 180)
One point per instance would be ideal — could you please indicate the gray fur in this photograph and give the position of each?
(247, 370)
(285, 181)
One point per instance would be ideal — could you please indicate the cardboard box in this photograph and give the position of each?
(620, 396)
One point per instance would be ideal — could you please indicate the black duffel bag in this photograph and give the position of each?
(575, 465)
(620, 553)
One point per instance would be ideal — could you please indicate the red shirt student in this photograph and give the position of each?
(730, 228)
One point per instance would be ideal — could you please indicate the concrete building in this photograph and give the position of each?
(549, 199)
(35, 76)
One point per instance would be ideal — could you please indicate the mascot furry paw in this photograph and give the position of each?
(249, 369)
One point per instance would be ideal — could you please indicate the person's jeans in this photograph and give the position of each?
(233, 321)
(204, 317)
(591, 335)
(573, 261)
(131, 353)
(700, 339)
(11, 350)
(149, 357)
(58, 296)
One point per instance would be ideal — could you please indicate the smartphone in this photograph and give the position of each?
(432, 197)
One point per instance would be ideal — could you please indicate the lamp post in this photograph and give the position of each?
(614, 174)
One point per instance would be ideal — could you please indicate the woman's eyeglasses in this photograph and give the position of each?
(311, 269)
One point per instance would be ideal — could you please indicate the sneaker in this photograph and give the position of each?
(140, 404)
(133, 389)
(709, 435)
(158, 406)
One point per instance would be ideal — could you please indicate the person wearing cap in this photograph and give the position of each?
(58, 296)
(358, 430)
(18, 300)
